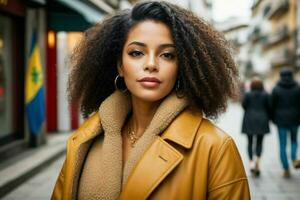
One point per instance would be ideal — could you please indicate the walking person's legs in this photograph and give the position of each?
(282, 132)
(258, 151)
(250, 147)
(259, 145)
(250, 154)
(294, 146)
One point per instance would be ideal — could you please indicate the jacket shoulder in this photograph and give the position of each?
(226, 170)
(215, 143)
(212, 134)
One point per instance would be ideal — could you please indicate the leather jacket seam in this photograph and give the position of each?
(223, 146)
(221, 149)
(228, 183)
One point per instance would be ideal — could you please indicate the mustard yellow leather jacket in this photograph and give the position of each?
(191, 159)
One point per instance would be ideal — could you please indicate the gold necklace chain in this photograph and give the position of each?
(132, 136)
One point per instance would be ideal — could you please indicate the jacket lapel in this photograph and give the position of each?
(161, 158)
(183, 129)
(77, 147)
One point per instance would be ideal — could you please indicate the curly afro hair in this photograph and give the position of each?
(207, 72)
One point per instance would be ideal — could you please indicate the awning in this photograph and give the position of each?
(66, 15)
(90, 14)
(36, 2)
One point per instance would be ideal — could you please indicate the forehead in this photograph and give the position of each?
(150, 31)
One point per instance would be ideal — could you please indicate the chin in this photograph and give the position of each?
(150, 95)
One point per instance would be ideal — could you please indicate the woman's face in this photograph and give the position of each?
(149, 62)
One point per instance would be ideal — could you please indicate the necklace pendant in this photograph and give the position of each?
(133, 138)
(133, 141)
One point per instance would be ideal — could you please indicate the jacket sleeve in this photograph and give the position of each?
(268, 105)
(273, 103)
(227, 177)
(57, 193)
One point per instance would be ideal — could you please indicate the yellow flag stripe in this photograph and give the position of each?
(34, 75)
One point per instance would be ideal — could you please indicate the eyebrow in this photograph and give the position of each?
(144, 45)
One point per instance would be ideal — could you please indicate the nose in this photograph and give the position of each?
(151, 64)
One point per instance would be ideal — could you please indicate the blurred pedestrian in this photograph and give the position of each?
(145, 78)
(256, 121)
(285, 101)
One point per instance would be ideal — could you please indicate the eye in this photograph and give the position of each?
(135, 53)
(168, 56)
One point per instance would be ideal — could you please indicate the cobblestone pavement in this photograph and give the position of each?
(270, 185)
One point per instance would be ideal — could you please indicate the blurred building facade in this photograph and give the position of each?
(236, 32)
(275, 36)
(272, 40)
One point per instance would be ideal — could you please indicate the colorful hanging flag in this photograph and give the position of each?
(34, 88)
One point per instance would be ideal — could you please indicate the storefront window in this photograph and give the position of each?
(6, 127)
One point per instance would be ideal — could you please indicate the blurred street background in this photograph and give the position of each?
(37, 38)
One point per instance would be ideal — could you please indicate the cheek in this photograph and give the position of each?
(129, 66)
(131, 70)
(171, 73)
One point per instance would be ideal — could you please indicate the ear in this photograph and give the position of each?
(120, 68)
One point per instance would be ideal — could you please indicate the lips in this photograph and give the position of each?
(149, 82)
(149, 79)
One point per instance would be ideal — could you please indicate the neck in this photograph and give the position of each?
(142, 114)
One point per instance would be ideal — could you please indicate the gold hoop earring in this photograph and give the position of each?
(178, 90)
(116, 84)
(177, 87)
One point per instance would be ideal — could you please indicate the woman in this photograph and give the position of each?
(256, 121)
(148, 139)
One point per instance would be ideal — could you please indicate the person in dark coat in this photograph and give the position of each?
(285, 101)
(256, 121)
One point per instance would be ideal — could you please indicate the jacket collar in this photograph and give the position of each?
(82, 137)
(183, 129)
(88, 130)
